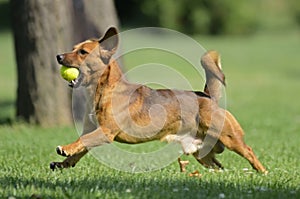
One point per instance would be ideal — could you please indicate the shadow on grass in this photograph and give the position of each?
(143, 187)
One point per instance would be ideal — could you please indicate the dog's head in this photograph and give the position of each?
(90, 57)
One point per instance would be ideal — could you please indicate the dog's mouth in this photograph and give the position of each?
(76, 82)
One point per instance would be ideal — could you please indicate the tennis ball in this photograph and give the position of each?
(68, 73)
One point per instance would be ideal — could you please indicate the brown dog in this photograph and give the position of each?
(133, 113)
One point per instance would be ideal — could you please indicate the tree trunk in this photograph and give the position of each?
(42, 29)
(91, 18)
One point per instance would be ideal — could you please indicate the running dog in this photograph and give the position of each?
(133, 113)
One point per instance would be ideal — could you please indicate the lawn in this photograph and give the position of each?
(262, 74)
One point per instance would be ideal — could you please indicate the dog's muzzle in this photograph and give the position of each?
(76, 82)
(60, 58)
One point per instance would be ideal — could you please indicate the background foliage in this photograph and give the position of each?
(205, 16)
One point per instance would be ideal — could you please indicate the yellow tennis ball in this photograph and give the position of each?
(68, 73)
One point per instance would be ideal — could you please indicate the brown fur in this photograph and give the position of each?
(133, 113)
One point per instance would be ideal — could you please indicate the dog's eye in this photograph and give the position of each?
(82, 52)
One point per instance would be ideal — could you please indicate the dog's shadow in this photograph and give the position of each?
(126, 185)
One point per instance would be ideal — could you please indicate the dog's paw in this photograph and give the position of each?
(55, 165)
(60, 165)
(211, 163)
(60, 151)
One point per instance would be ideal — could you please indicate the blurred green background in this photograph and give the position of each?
(253, 36)
(215, 17)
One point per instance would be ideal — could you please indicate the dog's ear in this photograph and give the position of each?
(109, 44)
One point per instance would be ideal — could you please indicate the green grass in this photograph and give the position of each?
(27, 151)
(8, 77)
(263, 93)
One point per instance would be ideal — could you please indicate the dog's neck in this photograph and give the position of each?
(111, 77)
(114, 73)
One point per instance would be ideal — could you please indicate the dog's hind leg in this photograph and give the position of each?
(236, 144)
(232, 137)
(209, 160)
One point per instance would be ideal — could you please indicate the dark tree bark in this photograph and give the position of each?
(92, 18)
(42, 29)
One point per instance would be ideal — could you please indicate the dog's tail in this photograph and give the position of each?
(211, 62)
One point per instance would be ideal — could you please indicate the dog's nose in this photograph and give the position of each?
(59, 58)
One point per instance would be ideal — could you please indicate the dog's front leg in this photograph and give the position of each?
(80, 147)
(68, 162)
(86, 141)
